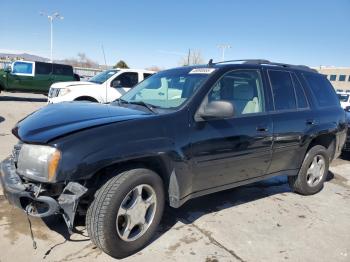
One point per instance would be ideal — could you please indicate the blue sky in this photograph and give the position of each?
(155, 32)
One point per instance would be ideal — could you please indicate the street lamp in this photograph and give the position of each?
(223, 47)
(52, 17)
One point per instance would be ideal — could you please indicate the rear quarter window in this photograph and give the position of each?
(63, 70)
(322, 90)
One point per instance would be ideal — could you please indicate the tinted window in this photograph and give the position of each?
(243, 88)
(299, 91)
(22, 68)
(322, 90)
(128, 79)
(333, 77)
(342, 78)
(343, 97)
(145, 75)
(349, 79)
(62, 70)
(43, 68)
(282, 89)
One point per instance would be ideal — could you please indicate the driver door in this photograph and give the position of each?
(226, 151)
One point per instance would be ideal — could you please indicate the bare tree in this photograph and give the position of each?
(154, 68)
(194, 57)
(82, 61)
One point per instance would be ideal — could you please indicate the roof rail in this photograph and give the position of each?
(266, 62)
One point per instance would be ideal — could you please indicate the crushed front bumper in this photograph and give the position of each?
(26, 196)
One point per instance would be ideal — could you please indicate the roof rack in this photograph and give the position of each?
(264, 62)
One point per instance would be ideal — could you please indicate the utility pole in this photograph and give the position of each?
(188, 57)
(223, 47)
(52, 17)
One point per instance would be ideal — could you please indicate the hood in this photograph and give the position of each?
(56, 120)
(71, 84)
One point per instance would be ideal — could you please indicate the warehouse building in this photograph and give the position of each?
(338, 76)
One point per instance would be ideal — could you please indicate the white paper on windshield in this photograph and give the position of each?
(202, 71)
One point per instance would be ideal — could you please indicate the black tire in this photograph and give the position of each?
(299, 183)
(102, 213)
(86, 99)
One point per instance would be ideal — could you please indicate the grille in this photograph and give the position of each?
(53, 92)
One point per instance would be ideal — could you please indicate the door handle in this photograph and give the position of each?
(262, 129)
(310, 122)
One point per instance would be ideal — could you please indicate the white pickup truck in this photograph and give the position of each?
(105, 87)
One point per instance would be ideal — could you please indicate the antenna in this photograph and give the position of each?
(104, 57)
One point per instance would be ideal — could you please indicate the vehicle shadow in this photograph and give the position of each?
(345, 156)
(2, 119)
(195, 208)
(22, 99)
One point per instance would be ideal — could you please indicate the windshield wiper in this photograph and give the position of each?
(140, 103)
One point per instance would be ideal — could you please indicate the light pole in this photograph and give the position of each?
(52, 17)
(223, 47)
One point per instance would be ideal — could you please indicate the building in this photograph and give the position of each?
(338, 76)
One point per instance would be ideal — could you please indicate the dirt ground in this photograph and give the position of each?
(260, 222)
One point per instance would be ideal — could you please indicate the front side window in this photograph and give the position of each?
(129, 79)
(22, 68)
(243, 88)
(282, 90)
(168, 89)
(322, 90)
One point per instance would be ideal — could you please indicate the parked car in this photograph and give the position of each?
(344, 98)
(181, 133)
(346, 147)
(34, 77)
(103, 88)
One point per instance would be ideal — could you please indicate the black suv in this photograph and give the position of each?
(180, 134)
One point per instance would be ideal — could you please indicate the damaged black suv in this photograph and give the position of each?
(180, 134)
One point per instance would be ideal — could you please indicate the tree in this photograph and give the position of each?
(81, 61)
(121, 64)
(194, 57)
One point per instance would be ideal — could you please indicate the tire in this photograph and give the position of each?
(101, 220)
(302, 183)
(86, 99)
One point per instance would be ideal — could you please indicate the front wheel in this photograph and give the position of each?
(126, 212)
(312, 173)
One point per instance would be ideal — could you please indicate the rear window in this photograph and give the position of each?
(322, 90)
(63, 70)
(43, 68)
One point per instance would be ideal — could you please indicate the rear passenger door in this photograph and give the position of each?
(292, 118)
(43, 76)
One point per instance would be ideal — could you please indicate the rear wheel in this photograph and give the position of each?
(126, 212)
(312, 173)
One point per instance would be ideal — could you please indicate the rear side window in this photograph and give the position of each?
(299, 91)
(322, 90)
(283, 90)
(129, 79)
(43, 68)
(63, 70)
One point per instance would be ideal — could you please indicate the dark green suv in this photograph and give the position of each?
(34, 77)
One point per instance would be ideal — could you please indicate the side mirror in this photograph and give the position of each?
(217, 110)
(116, 84)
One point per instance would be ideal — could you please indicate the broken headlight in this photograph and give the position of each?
(38, 162)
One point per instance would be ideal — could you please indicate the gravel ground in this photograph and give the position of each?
(260, 222)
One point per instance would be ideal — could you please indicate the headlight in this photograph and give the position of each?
(38, 162)
(63, 91)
